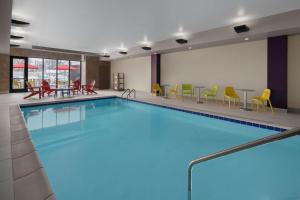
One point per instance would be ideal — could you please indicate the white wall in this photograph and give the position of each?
(242, 65)
(294, 72)
(137, 72)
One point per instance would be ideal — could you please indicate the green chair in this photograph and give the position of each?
(187, 89)
(213, 92)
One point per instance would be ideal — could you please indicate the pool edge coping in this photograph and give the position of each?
(225, 117)
(239, 120)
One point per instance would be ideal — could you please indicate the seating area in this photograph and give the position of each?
(230, 96)
(74, 89)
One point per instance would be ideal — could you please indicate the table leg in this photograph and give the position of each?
(245, 106)
(199, 96)
(165, 93)
(245, 100)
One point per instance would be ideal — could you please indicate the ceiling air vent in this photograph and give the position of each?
(146, 48)
(182, 41)
(123, 52)
(15, 37)
(15, 22)
(14, 45)
(241, 29)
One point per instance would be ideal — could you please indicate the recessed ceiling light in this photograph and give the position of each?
(241, 12)
(122, 48)
(181, 33)
(246, 39)
(14, 41)
(146, 42)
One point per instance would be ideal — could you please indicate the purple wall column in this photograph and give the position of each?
(155, 69)
(277, 70)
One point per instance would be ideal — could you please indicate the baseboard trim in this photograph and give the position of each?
(294, 110)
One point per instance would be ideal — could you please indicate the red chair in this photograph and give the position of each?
(46, 88)
(33, 92)
(89, 88)
(76, 86)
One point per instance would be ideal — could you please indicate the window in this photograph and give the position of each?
(74, 71)
(58, 73)
(18, 73)
(63, 74)
(50, 72)
(35, 71)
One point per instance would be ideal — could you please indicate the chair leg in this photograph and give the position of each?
(264, 106)
(271, 106)
(229, 101)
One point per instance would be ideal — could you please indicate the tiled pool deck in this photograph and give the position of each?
(21, 173)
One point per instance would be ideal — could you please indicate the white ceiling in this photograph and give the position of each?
(93, 25)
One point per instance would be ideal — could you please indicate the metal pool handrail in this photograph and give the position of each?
(127, 90)
(133, 90)
(265, 140)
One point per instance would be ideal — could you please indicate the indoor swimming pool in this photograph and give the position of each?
(116, 149)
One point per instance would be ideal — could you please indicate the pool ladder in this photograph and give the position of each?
(129, 93)
(249, 145)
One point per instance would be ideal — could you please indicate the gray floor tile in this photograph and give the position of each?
(23, 148)
(5, 170)
(5, 152)
(6, 190)
(25, 165)
(32, 187)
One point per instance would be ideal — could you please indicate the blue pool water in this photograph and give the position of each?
(114, 149)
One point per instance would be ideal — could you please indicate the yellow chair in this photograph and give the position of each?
(157, 89)
(230, 93)
(173, 90)
(265, 97)
(187, 89)
(213, 92)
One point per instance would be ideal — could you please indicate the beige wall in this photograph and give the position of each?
(294, 72)
(137, 72)
(242, 65)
